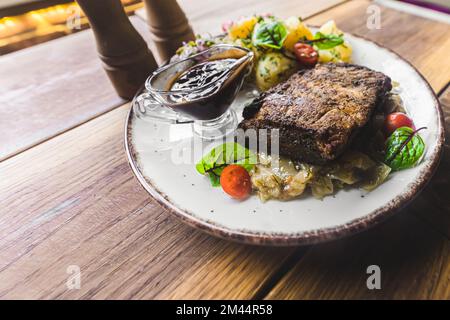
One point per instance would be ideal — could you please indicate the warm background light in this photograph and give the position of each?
(33, 27)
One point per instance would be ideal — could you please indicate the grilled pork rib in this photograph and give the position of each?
(319, 110)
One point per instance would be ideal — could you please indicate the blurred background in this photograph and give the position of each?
(24, 23)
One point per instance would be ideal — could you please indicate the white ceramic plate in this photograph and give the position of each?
(153, 150)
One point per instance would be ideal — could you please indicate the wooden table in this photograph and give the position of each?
(68, 197)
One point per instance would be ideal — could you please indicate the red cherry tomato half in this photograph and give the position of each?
(397, 120)
(305, 54)
(235, 181)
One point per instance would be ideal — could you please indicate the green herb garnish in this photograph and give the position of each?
(326, 41)
(213, 163)
(269, 34)
(404, 148)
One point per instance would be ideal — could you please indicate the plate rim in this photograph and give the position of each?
(307, 237)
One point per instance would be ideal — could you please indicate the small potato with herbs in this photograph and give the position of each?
(297, 31)
(272, 68)
(341, 51)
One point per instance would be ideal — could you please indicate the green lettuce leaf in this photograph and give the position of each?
(327, 41)
(269, 34)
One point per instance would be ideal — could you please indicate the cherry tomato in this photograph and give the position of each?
(397, 120)
(305, 54)
(235, 181)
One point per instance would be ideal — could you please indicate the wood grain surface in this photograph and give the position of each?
(433, 206)
(50, 88)
(79, 204)
(72, 200)
(413, 259)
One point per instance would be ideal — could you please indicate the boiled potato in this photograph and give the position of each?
(341, 53)
(296, 31)
(272, 68)
(243, 28)
(330, 28)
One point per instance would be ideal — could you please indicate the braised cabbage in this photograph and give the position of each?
(288, 180)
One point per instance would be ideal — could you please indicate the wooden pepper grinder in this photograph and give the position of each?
(124, 53)
(168, 25)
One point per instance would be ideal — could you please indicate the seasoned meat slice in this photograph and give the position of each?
(319, 110)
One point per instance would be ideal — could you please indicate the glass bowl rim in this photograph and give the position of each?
(151, 89)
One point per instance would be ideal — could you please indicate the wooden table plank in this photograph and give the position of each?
(425, 43)
(50, 88)
(433, 206)
(414, 262)
(79, 204)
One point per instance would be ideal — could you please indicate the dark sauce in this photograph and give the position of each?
(202, 74)
(207, 89)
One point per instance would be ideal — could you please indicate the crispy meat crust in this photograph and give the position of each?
(319, 110)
